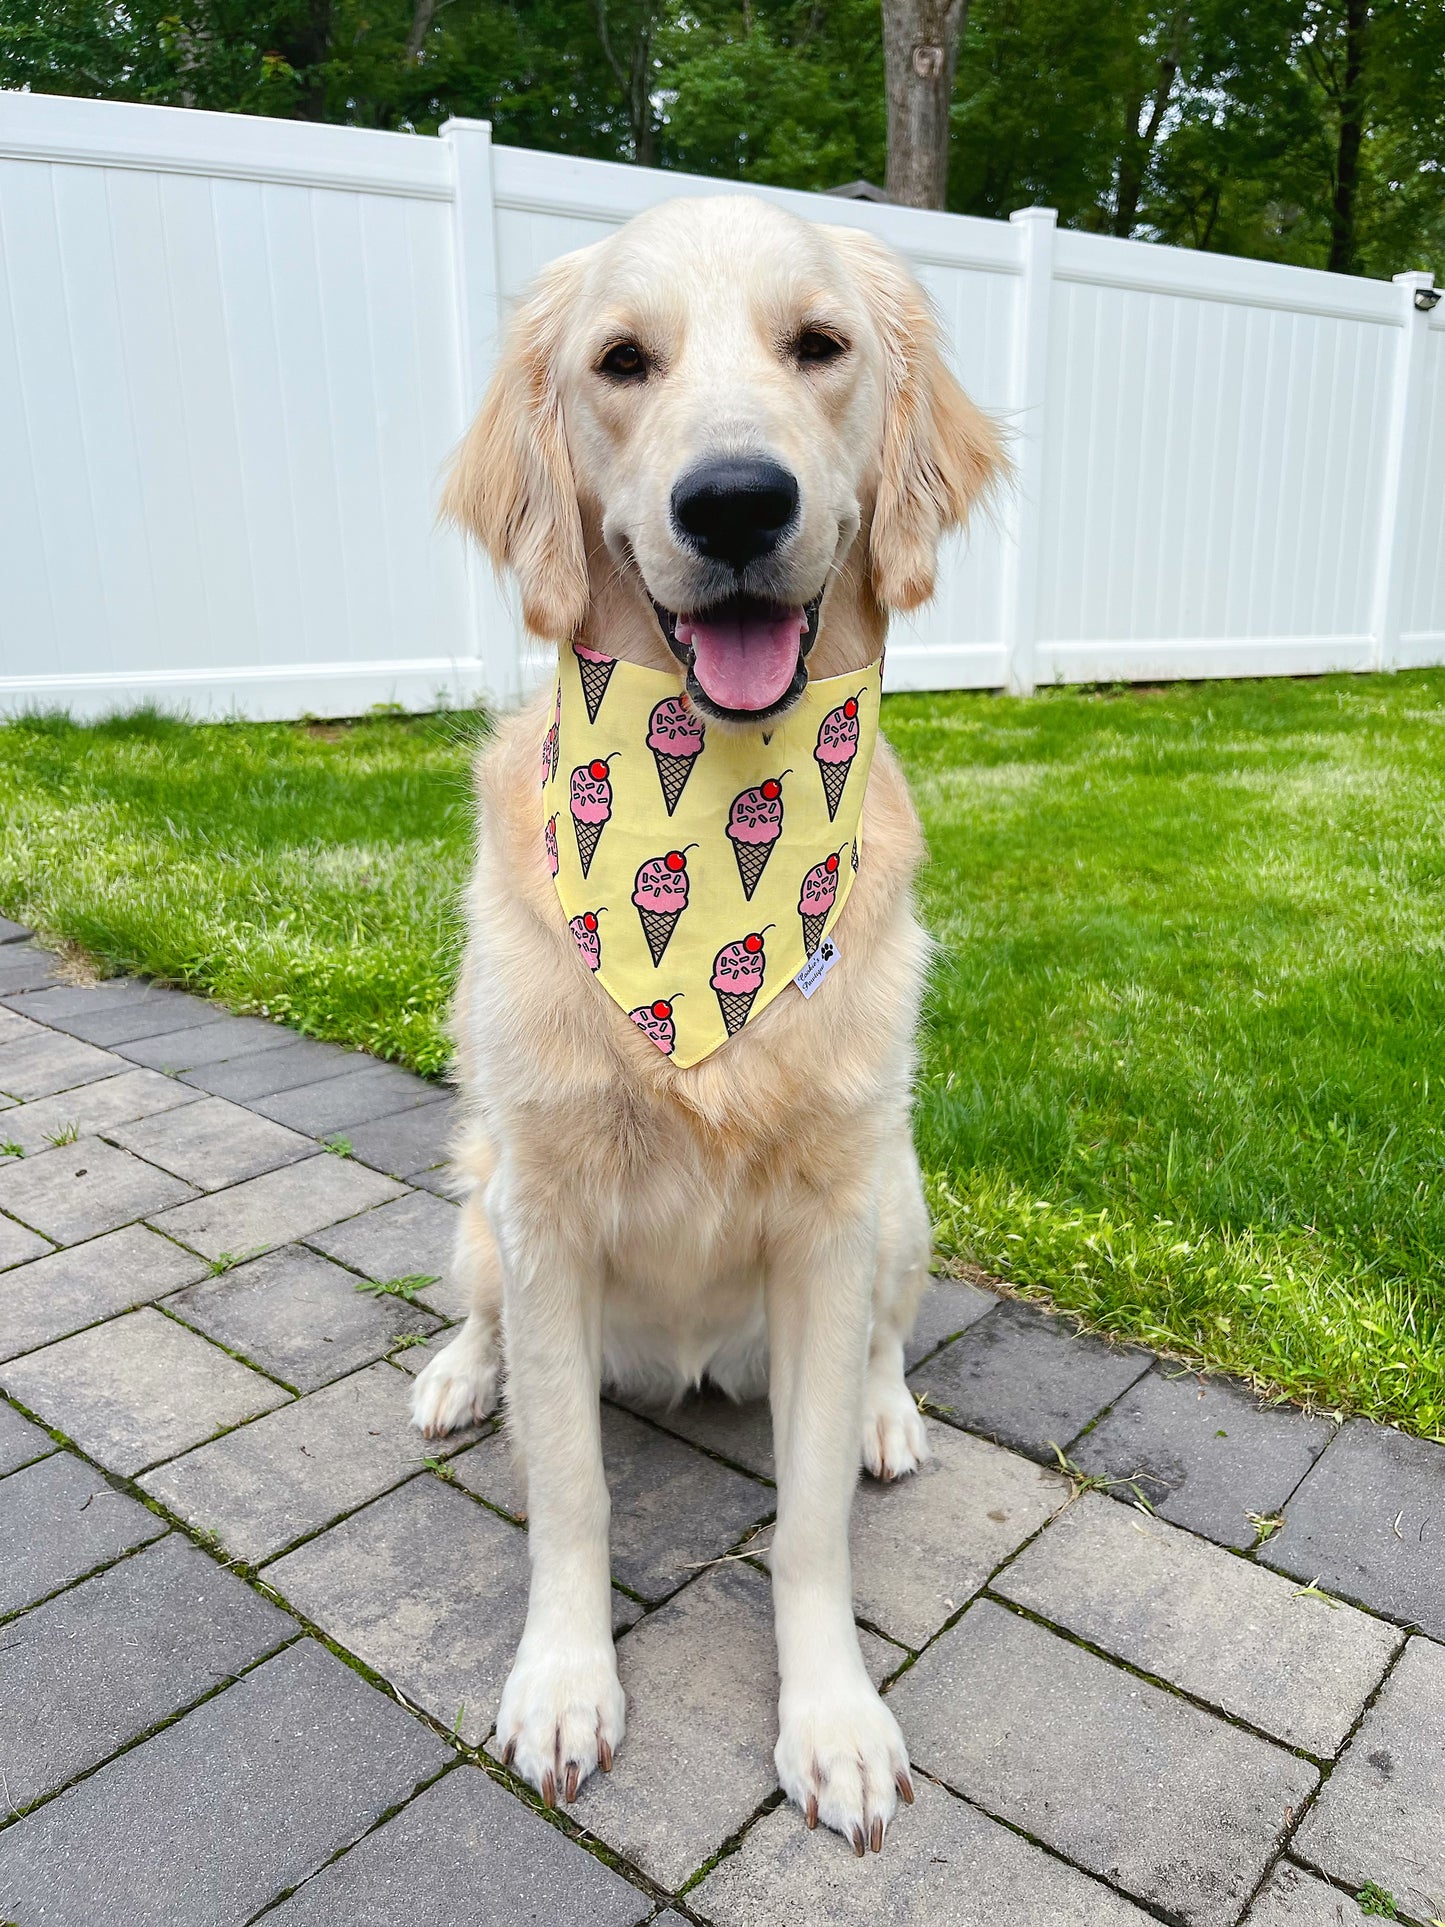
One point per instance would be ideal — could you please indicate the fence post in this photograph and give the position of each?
(1036, 228)
(1402, 443)
(496, 630)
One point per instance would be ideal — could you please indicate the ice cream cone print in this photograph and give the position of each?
(591, 807)
(816, 900)
(596, 673)
(549, 838)
(737, 977)
(675, 737)
(655, 1022)
(659, 892)
(588, 937)
(755, 822)
(836, 747)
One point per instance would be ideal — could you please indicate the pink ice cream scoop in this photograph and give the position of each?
(838, 734)
(820, 889)
(655, 1022)
(589, 655)
(591, 793)
(756, 815)
(661, 884)
(588, 939)
(673, 729)
(738, 967)
(549, 837)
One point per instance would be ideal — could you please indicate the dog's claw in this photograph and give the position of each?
(573, 1774)
(811, 1812)
(905, 1788)
(858, 1846)
(604, 1754)
(875, 1838)
(549, 1788)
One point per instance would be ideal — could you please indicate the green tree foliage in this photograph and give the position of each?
(1298, 130)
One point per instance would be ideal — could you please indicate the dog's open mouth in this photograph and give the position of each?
(746, 659)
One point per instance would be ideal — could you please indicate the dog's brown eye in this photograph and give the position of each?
(624, 361)
(813, 345)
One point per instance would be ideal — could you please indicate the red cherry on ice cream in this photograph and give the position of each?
(850, 709)
(772, 791)
(752, 945)
(597, 771)
(589, 922)
(661, 1010)
(831, 865)
(675, 860)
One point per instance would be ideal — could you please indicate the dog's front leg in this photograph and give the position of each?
(840, 1754)
(562, 1708)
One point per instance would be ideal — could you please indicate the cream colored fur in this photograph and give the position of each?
(758, 1218)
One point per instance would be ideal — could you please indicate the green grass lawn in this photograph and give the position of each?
(1182, 1037)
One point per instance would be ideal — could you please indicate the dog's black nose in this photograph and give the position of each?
(735, 510)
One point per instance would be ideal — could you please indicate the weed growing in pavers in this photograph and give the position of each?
(1266, 1525)
(10, 1149)
(1082, 1481)
(339, 1147)
(228, 1260)
(408, 1339)
(67, 1134)
(1375, 1900)
(1312, 1591)
(406, 1288)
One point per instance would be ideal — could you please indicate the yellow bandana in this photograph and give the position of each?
(700, 869)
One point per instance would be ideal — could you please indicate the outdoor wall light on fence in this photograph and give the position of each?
(1427, 298)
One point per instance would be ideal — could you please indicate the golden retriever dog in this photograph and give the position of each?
(757, 1219)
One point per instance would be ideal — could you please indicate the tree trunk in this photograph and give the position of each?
(635, 80)
(920, 54)
(1138, 147)
(305, 49)
(1343, 215)
(424, 12)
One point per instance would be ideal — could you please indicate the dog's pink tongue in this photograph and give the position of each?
(744, 662)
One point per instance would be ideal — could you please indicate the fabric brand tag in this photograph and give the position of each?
(817, 967)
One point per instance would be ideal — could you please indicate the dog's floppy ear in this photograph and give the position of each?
(941, 455)
(511, 481)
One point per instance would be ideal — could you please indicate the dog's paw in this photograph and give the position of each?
(894, 1438)
(841, 1758)
(563, 1714)
(459, 1386)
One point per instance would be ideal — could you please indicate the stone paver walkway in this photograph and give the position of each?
(253, 1631)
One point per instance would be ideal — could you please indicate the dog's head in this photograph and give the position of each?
(701, 422)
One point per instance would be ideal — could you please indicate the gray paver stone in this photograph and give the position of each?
(922, 1546)
(216, 1815)
(1204, 1452)
(79, 1190)
(60, 1293)
(137, 1389)
(14, 1025)
(13, 932)
(65, 1000)
(1379, 1819)
(263, 1072)
(368, 1091)
(143, 1011)
(443, 1181)
(742, 1432)
(23, 967)
(673, 1509)
(412, 1358)
(948, 1307)
(213, 1143)
(1298, 1667)
(267, 1484)
(20, 1441)
(409, 1143)
(184, 1050)
(1180, 1809)
(410, 1237)
(40, 1065)
(93, 1108)
(59, 1520)
(298, 1316)
(117, 1654)
(18, 1243)
(701, 1683)
(1027, 1379)
(944, 1864)
(251, 1217)
(1294, 1898)
(1367, 1523)
(464, 1851)
(427, 1587)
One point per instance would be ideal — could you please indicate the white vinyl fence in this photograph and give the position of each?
(234, 354)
